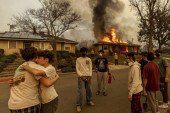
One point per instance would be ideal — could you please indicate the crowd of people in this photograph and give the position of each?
(35, 92)
(147, 77)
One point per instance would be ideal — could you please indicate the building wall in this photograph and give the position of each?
(4, 44)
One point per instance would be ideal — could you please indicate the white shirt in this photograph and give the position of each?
(26, 93)
(84, 66)
(48, 93)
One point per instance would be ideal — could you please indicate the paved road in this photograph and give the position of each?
(66, 86)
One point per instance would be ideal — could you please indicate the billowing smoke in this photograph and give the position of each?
(98, 16)
(104, 14)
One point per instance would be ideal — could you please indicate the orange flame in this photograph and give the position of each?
(113, 37)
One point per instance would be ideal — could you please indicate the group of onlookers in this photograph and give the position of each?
(32, 87)
(147, 77)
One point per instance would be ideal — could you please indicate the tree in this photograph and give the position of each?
(162, 24)
(146, 12)
(53, 18)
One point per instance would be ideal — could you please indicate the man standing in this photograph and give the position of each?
(164, 70)
(102, 70)
(84, 71)
(151, 80)
(134, 84)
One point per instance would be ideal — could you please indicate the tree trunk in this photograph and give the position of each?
(150, 48)
(160, 46)
(55, 56)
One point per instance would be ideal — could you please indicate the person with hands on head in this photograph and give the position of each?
(134, 84)
(102, 70)
(84, 71)
(151, 80)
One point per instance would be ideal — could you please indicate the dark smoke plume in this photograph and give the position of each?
(104, 13)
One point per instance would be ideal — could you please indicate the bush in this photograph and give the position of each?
(62, 63)
(16, 54)
(2, 65)
(1, 51)
(62, 54)
(68, 69)
(5, 59)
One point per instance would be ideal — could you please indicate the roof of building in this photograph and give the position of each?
(30, 36)
(111, 43)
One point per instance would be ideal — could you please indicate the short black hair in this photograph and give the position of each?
(101, 51)
(28, 53)
(131, 55)
(158, 51)
(150, 56)
(46, 54)
(144, 54)
(83, 49)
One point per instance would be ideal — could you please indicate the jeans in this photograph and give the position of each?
(88, 91)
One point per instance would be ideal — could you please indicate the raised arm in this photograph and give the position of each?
(47, 82)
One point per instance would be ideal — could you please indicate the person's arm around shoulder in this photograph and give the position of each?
(47, 82)
(33, 70)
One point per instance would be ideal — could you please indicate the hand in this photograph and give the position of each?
(166, 79)
(82, 78)
(57, 76)
(144, 92)
(10, 82)
(130, 98)
(88, 79)
(22, 67)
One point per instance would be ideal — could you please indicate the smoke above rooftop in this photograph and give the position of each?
(101, 15)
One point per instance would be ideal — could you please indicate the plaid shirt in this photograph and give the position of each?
(33, 109)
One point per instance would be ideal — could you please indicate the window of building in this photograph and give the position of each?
(105, 47)
(12, 44)
(49, 47)
(67, 47)
(27, 44)
(42, 45)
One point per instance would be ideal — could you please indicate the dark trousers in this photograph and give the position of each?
(116, 61)
(164, 89)
(135, 103)
(50, 107)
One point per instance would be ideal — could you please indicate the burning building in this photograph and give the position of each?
(111, 43)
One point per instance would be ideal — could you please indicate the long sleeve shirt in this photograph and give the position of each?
(84, 66)
(135, 81)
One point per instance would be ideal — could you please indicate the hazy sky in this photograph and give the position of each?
(8, 8)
